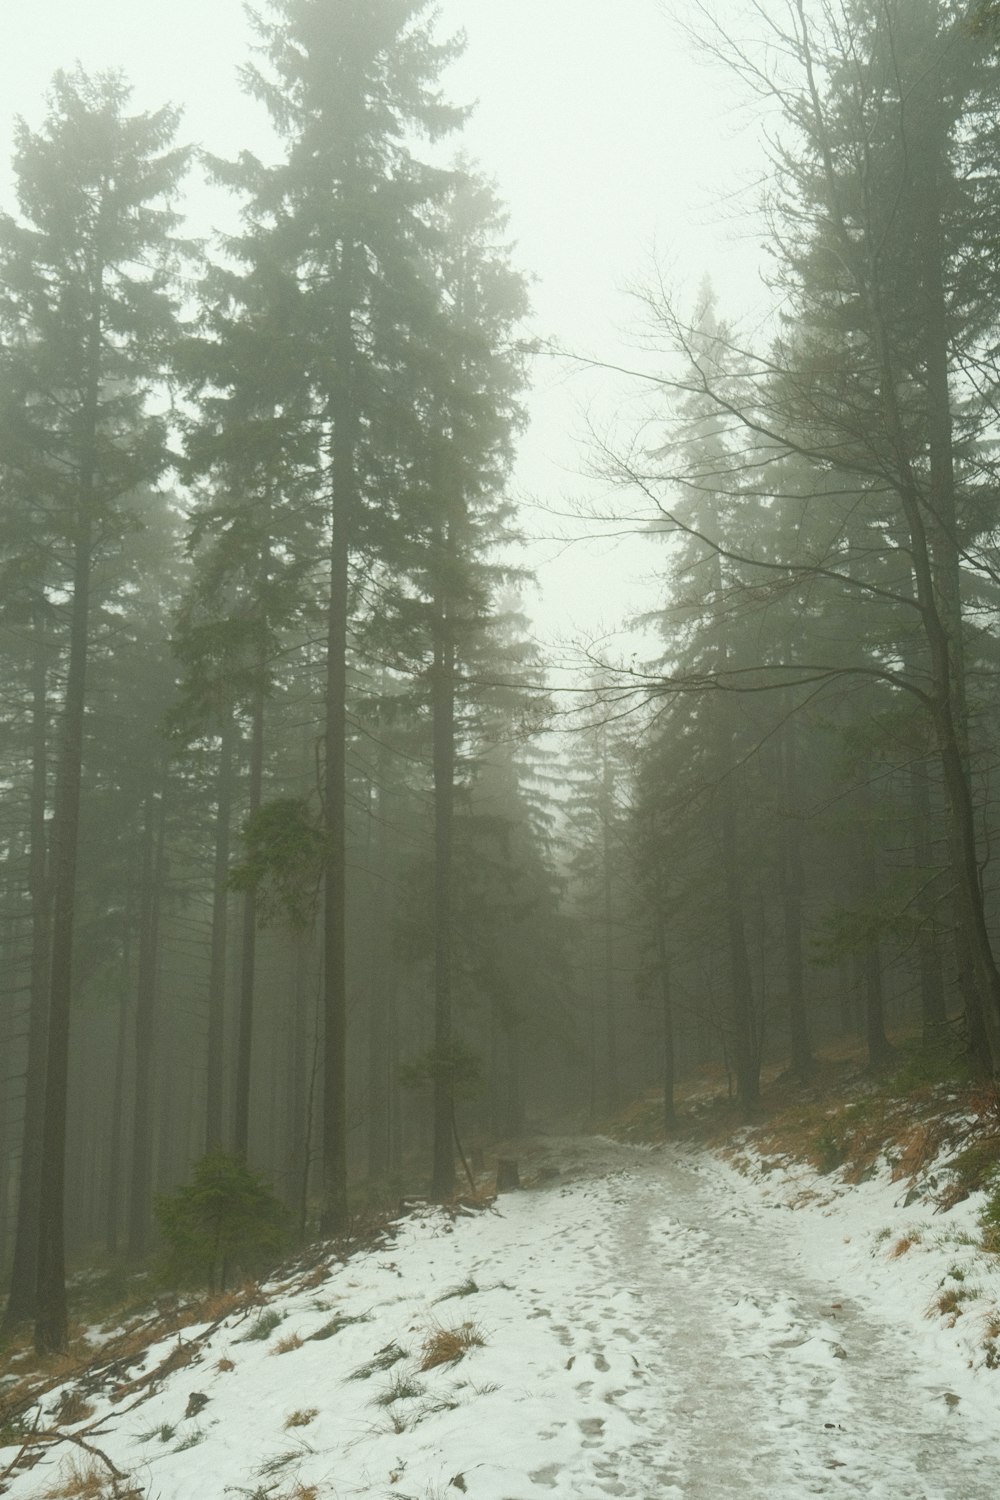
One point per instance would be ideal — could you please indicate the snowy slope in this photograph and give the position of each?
(654, 1324)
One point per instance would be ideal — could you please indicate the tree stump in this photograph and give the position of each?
(508, 1180)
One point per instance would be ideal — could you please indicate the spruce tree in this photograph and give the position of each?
(342, 222)
(88, 316)
(465, 398)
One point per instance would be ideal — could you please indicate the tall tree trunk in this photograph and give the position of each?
(979, 987)
(515, 1089)
(740, 977)
(378, 1111)
(215, 1069)
(300, 1090)
(21, 1302)
(113, 1207)
(51, 1323)
(792, 876)
(667, 1018)
(51, 1331)
(393, 1091)
(443, 751)
(379, 961)
(343, 417)
(140, 1177)
(933, 1002)
(248, 948)
(612, 1084)
(591, 982)
(878, 1045)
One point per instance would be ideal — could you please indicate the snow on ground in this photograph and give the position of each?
(655, 1324)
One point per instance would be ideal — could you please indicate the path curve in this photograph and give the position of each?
(715, 1361)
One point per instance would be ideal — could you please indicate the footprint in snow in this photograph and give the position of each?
(547, 1476)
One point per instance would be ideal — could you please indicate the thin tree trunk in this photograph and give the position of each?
(51, 1314)
(443, 750)
(215, 1069)
(21, 1303)
(878, 1045)
(740, 977)
(612, 1086)
(334, 1216)
(592, 982)
(113, 1208)
(302, 1065)
(248, 948)
(393, 1091)
(933, 1002)
(792, 874)
(667, 1017)
(378, 959)
(140, 1177)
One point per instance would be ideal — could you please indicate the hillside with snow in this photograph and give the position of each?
(638, 1322)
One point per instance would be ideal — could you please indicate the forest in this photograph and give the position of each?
(305, 861)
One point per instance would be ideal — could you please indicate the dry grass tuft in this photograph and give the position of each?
(904, 1243)
(79, 1480)
(224, 1365)
(948, 1304)
(220, 1305)
(917, 1147)
(86, 1479)
(302, 1418)
(287, 1344)
(446, 1346)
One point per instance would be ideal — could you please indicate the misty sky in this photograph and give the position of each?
(613, 147)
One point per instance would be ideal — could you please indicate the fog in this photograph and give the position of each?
(498, 624)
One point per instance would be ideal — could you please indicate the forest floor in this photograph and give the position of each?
(806, 1307)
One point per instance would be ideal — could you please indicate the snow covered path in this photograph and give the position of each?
(714, 1357)
(655, 1326)
(773, 1381)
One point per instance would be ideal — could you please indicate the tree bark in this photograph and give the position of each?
(51, 1314)
(612, 1083)
(667, 1016)
(248, 943)
(215, 1061)
(140, 1176)
(443, 752)
(343, 416)
(21, 1302)
(933, 1000)
(113, 1204)
(740, 977)
(792, 876)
